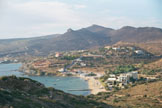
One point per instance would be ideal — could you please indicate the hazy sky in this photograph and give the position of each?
(28, 18)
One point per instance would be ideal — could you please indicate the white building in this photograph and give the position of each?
(111, 79)
(111, 82)
(112, 76)
(78, 60)
(57, 54)
(62, 70)
(139, 52)
(116, 48)
(83, 64)
(133, 74)
(125, 78)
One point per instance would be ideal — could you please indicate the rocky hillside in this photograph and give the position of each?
(154, 47)
(26, 93)
(138, 35)
(90, 37)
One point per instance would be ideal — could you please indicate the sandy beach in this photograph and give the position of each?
(94, 85)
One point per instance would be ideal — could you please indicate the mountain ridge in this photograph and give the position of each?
(85, 38)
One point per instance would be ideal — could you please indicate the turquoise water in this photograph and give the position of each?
(61, 83)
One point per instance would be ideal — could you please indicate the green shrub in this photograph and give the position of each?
(124, 69)
(69, 57)
(115, 100)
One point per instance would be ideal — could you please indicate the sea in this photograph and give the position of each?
(65, 84)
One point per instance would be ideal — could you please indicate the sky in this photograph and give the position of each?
(30, 18)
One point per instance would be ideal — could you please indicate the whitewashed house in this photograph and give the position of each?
(133, 74)
(83, 64)
(78, 60)
(116, 48)
(112, 76)
(111, 82)
(62, 70)
(139, 52)
(125, 78)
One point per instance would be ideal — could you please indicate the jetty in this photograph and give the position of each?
(79, 89)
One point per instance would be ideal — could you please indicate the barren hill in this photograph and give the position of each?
(86, 38)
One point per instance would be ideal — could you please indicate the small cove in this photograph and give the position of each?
(62, 83)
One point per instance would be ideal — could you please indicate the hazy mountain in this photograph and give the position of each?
(93, 36)
(132, 34)
(99, 29)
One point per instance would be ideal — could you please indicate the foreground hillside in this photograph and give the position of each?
(148, 95)
(26, 93)
(85, 38)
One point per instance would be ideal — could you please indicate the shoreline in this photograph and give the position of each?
(94, 85)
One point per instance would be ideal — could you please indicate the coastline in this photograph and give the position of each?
(94, 85)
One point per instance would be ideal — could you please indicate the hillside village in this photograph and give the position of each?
(115, 67)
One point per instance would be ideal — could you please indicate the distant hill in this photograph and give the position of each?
(85, 38)
(99, 29)
(26, 93)
(138, 35)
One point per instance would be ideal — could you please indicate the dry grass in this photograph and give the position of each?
(154, 47)
(154, 65)
(141, 96)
